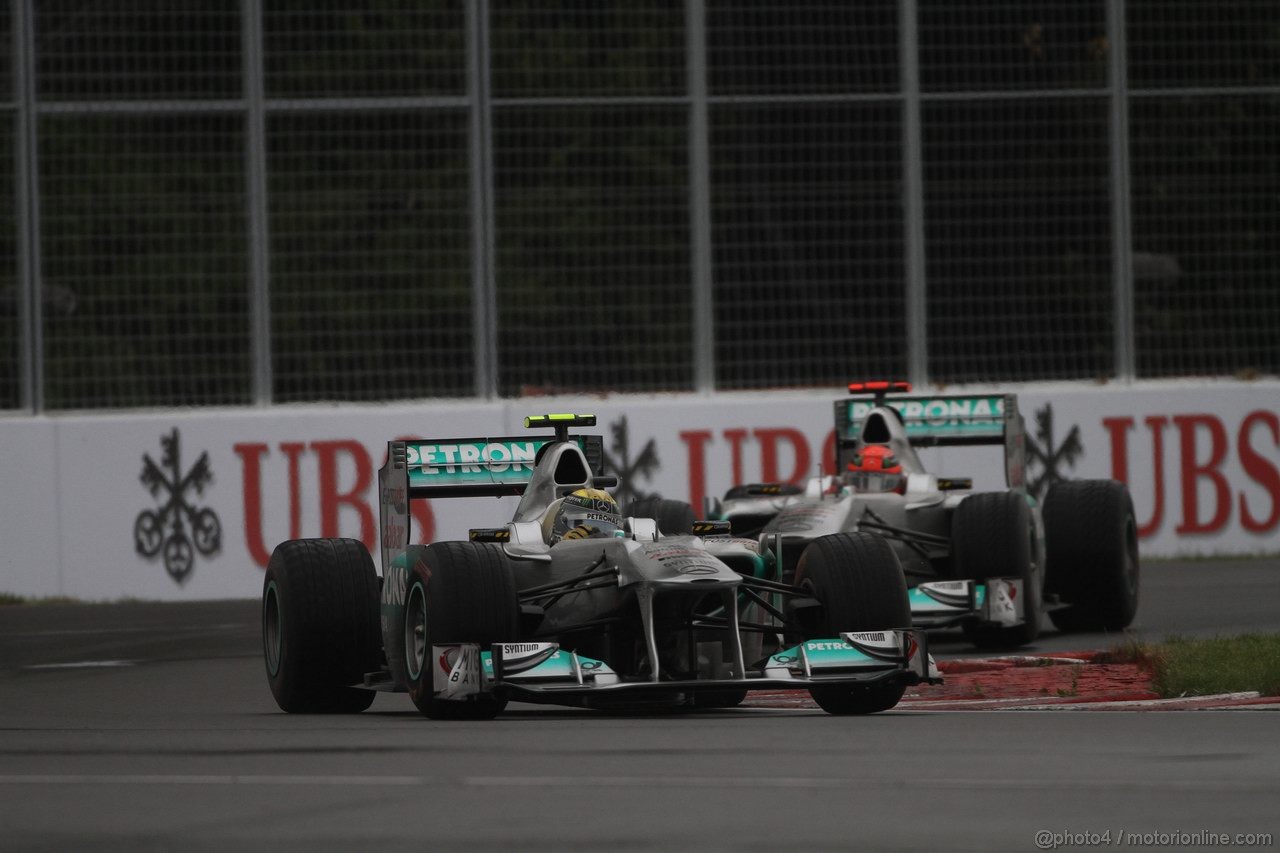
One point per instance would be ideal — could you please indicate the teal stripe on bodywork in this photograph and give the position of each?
(922, 601)
(559, 665)
(834, 652)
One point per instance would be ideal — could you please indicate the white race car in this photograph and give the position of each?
(989, 562)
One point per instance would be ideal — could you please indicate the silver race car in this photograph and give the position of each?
(988, 562)
(572, 604)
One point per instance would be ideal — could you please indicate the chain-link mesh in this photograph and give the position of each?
(1176, 44)
(1205, 187)
(371, 276)
(592, 250)
(805, 48)
(1019, 264)
(10, 283)
(369, 209)
(590, 197)
(336, 49)
(587, 48)
(1206, 235)
(577, 172)
(142, 213)
(8, 60)
(806, 197)
(117, 50)
(145, 291)
(997, 45)
(808, 244)
(1017, 193)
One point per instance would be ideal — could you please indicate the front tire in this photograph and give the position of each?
(859, 584)
(992, 537)
(320, 631)
(458, 592)
(1092, 554)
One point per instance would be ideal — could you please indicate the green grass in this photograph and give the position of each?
(8, 599)
(1188, 666)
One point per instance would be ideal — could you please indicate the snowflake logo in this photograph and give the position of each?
(1050, 457)
(618, 461)
(163, 528)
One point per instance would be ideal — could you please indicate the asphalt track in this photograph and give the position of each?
(170, 741)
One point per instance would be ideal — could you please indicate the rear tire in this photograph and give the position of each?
(1092, 539)
(858, 581)
(991, 537)
(320, 631)
(458, 592)
(674, 518)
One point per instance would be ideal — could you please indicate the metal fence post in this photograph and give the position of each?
(256, 195)
(27, 192)
(917, 325)
(484, 312)
(704, 365)
(1121, 235)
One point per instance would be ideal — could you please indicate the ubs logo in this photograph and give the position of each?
(165, 528)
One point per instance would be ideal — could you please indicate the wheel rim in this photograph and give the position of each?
(271, 634)
(1131, 558)
(415, 631)
(1031, 604)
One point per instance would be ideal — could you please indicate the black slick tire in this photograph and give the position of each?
(674, 518)
(458, 592)
(858, 582)
(1092, 542)
(320, 628)
(991, 537)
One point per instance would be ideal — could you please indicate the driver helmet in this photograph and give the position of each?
(874, 468)
(583, 514)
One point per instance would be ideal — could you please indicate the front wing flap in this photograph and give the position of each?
(944, 604)
(543, 672)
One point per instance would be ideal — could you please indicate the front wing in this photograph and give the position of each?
(946, 604)
(545, 673)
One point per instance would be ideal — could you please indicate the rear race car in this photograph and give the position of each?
(571, 604)
(988, 562)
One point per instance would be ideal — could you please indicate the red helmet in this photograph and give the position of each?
(874, 468)
(875, 457)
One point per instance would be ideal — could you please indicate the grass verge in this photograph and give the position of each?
(8, 599)
(1202, 666)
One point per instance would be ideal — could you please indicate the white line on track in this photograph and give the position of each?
(1056, 784)
(150, 629)
(666, 782)
(81, 664)
(1189, 702)
(177, 779)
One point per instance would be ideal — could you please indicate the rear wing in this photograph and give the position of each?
(474, 467)
(941, 421)
(460, 467)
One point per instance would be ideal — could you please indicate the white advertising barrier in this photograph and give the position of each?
(189, 505)
(30, 560)
(138, 518)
